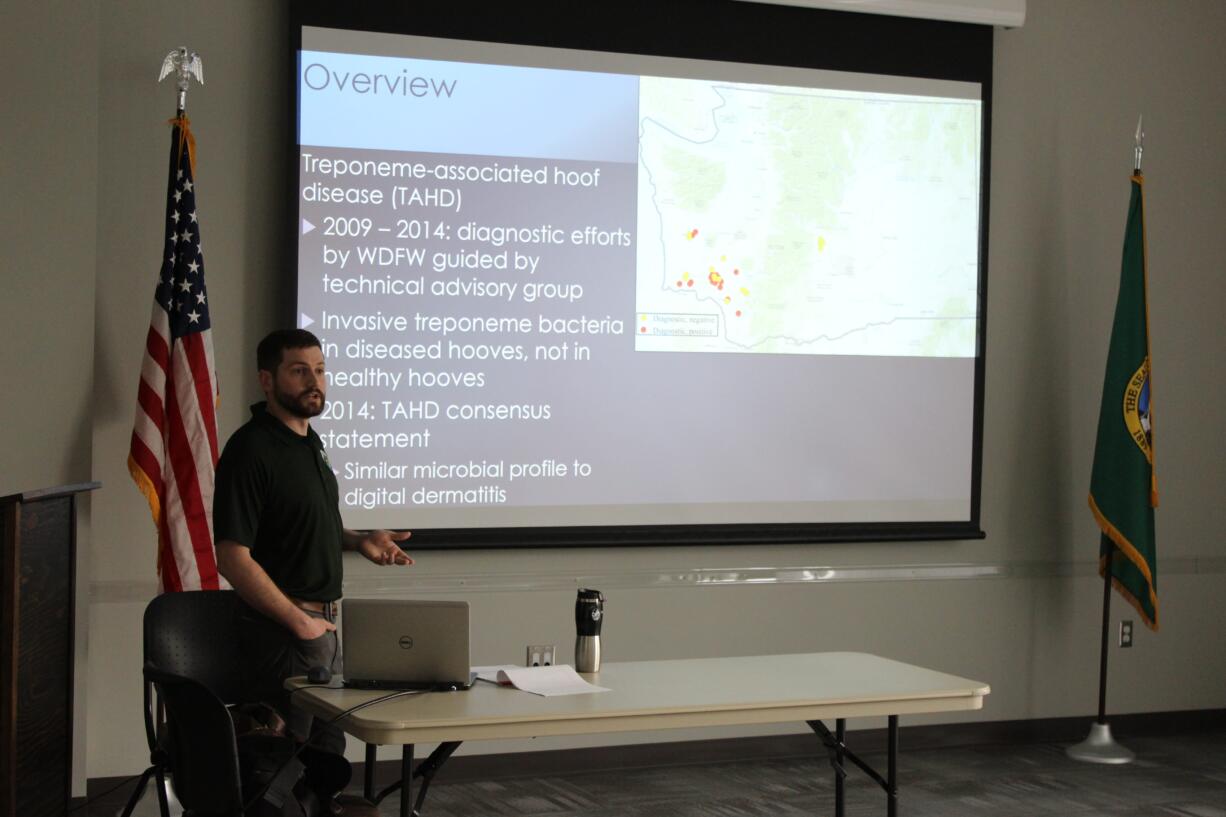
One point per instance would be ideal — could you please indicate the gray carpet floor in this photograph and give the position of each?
(1172, 777)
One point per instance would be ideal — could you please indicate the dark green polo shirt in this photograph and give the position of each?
(276, 494)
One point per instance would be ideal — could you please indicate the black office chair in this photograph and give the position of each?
(190, 635)
(193, 663)
(200, 747)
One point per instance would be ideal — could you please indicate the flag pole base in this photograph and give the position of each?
(1100, 747)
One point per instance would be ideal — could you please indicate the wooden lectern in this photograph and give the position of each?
(38, 556)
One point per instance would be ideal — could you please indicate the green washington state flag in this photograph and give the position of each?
(1123, 491)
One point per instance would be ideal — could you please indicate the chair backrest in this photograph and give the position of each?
(200, 745)
(194, 634)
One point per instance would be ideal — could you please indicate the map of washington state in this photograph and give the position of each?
(797, 220)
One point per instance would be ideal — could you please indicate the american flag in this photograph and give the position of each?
(173, 454)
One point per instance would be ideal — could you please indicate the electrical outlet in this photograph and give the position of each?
(1126, 633)
(540, 655)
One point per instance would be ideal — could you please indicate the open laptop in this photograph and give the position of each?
(405, 644)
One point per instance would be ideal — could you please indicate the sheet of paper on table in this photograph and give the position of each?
(547, 681)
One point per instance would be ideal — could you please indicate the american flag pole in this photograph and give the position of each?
(173, 452)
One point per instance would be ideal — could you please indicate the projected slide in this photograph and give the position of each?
(560, 297)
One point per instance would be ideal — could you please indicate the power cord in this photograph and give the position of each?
(402, 693)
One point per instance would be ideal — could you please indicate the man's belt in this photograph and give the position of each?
(328, 608)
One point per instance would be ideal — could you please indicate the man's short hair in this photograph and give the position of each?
(272, 348)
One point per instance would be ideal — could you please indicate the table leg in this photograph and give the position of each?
(368, 787)
(839, 755)
(840, 732)
(406, 777)
(892, 771)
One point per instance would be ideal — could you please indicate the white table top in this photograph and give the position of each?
(659, 695)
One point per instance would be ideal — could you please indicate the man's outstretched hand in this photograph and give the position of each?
(382, 547)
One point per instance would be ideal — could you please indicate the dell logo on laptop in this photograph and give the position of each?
(406, 642)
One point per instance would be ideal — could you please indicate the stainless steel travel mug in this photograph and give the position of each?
(589, 615)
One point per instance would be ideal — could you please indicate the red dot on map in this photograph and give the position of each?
(738, 313)
(690, 283)
(643, 329)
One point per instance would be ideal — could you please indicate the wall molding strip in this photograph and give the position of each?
(128, 592)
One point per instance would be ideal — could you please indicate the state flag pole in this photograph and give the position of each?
(1123, 488)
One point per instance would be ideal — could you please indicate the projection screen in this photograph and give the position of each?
(576, 296)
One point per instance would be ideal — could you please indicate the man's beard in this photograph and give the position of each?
(299, 405)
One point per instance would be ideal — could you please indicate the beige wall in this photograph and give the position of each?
(1068, 88)
(49, 192)
(48, 189)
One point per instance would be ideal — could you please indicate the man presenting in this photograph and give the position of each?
(277, 525)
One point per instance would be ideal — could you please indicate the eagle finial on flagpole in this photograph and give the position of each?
(1138, 146)
(186, 64)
